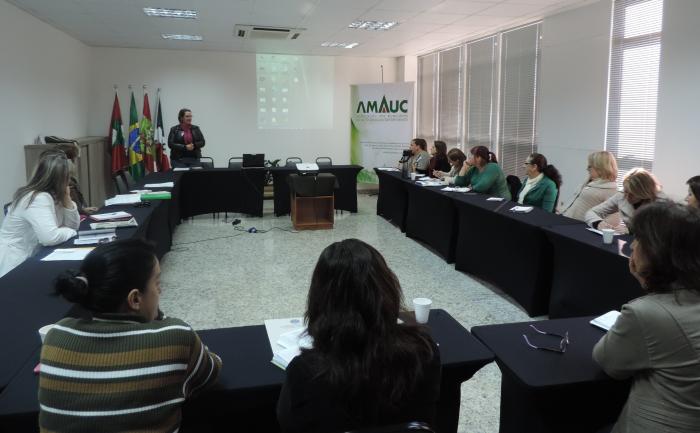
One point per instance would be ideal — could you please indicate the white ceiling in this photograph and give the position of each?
(424, 25)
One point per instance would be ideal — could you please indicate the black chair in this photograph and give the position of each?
(324, 161)
(206, 161)
(235, 162)
(293, 161)
(119, 183)
(410, 427)
(128, 181)
(514, 185)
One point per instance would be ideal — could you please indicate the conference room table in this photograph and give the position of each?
(589, 277)
(392, 201)
(544, 391)
(345, 194)
(245, 397)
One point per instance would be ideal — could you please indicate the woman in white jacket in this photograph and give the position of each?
(601, 185)
(456, 159)
(41, 213)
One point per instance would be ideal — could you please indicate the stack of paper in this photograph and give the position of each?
(456, 189)
(606, 321)
(287, 338)
(432, 182)
(67, 254)
(123, 199)
(131, 222)
(181, 169)
(521, 209)
(111, 216)
(495, 199)
(160, 185)
(388, 169)
(92, 237)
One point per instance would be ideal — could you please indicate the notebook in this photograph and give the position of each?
(606, 321)
(287, 338)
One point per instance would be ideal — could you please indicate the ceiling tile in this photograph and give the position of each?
(436, 18)
(408, 5)
(512, 10)
(463, 7)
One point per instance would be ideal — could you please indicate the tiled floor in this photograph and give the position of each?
(215, 276)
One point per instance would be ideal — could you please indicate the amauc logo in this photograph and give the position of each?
(383, 107)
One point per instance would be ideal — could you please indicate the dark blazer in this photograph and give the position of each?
(309, 404)
(440, 163)
(176, 143)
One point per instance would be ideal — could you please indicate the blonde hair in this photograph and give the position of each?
(605, 164)
(641, 184)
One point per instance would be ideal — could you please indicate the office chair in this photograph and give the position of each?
(235, 162)
(324, 161)
(128, 181)
(293, 161)
(119, 183)
(514, 185)
(410, 427)
(206, 161)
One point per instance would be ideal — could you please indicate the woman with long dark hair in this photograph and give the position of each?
(693, 197)
(364, 369)
(41, 212)
(456, 158)
(482, 173)
(656, 340)
(541, 187)
(438, 161)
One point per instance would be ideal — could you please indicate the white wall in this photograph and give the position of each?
(44, 77)
(220, 88)
(677, 155)
(573, 90)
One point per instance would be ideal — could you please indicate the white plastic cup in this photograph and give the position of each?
(45, 330)
(413, 176)
(421, 306)
(608, 236)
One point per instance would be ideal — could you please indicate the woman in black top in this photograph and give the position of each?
(364, 369)
(185, 140)
(438, 161)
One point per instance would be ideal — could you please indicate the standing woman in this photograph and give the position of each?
(41, 213)
(439, 161)
(693, 198)
(456, 159)
(483, 174)
(541, 187)
(656, 340)
(185, 140)
(364, 369)
(601, 185)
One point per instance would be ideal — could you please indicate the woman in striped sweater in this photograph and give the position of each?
(127, 368)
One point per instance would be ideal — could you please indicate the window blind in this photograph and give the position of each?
(482, 91)
(519, 64)
(634, 83)
(450, 102)
(426, 97)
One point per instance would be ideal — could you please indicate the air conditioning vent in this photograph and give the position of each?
(264, 32)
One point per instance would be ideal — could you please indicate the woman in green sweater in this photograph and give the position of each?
(541, 187)
(482, 173)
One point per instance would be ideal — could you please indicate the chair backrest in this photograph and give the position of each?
(410, 427)
(293, 161)
(514, 185)
(206, 161)
(128, 181)
(235, 162)
(120, 183)
(324, 160)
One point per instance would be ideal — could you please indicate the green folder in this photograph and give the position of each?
(156, 196)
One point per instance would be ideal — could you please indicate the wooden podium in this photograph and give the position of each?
(312, 202)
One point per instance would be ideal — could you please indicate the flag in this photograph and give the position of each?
(146, 131)
(135, 150)
(162, 161)
(116, 138)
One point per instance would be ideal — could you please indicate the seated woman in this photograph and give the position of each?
(601, 185)
(639, 188)
(656, 339)
(364, 369)
(72, 151)
(456, 159)
(438, 161)
(127, 364)
(41, 213)
(482, 173)
(693, 198)
(541, 187)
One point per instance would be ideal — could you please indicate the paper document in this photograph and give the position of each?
(160, 185)
(456, 189)
(433, 182)
(287, 338)
(114, 224)
(60, 254)
(93, 237)
(120, 215)
(181, 169)
(388, 169)
(606, 321)
(123, 199)
(495, 199)
(591, 229)
(521, 209)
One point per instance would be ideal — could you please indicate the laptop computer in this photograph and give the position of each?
(253, 160)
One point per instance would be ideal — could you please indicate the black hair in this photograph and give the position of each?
(440, 148)
(668, 234)
(421, 143)
(694, 184)
(549, 170)
(181, 114)
(484, 153)
(352, 311)
(108, 274)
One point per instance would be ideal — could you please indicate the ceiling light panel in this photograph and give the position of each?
(340, 44)
(182, 37)
(372, 25)
(170, 13)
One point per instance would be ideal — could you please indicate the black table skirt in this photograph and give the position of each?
(431, 217)
(246, 394)
(543, 391)
(392, 201)
(589, 278)
(345, 195)
(222, 190)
